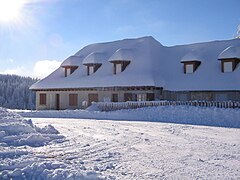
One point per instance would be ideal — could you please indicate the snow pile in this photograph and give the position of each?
(47, 170)
(16, 131)
(209, 116)
(23, 151)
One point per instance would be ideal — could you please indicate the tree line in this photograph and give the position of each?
(15, 93)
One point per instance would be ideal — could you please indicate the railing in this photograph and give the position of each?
(111, 106)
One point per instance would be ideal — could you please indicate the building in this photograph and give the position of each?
(143, 70)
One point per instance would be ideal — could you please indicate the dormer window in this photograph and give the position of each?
(93, 62)
(69, 70)
(191, 61)
(71, 64)
(92, 68)
(229, 65)
(230, 57)
(121, 59)
(119, 66)
(190, 66)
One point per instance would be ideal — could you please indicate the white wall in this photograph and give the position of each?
(82, 97)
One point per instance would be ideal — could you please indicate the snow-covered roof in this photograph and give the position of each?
(151, 65)
(191, 56)
(230, 52)
(121, 55)
(94, 58)
(72, 61)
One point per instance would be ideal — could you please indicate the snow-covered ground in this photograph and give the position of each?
(110, 149)
(145, 150)
(209, 116)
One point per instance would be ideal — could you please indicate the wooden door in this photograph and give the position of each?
(92, 98)
(57, 101)
(114, 97)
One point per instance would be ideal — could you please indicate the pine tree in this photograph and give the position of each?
(238, 32)
(15, 93)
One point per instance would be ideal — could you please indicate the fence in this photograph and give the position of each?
(111, 106)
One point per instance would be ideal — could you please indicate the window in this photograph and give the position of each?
(118, 68)
(150, 96)
(91, 70)
(141, 97)
(227, 67)
(114, 97)
(189, 68)
(68, 71)
(92, 97)
(43, 99)
(73, 100)
(128, 97)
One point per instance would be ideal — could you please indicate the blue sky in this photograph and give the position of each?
(51, 30)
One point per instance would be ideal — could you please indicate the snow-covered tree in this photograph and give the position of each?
(238, 32)
(15, 93)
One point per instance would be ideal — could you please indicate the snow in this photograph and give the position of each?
(20, 143)
(94, 58)
(191, 56)
(151, 65)
(135, 149)
(209, 116)
(230, 52)
(121, 54)
(146, 150)
(72, 61)
(16, 131)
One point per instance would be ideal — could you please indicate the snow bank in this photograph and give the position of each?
(47, 170)
(19, 153)
(208, 116)
(16, 131)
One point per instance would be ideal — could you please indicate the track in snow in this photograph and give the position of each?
(145, 150)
